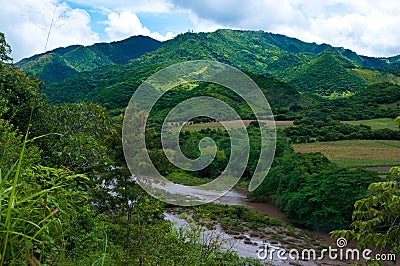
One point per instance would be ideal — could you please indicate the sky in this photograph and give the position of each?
(368, 27)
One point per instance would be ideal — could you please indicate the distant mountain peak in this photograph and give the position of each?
(79, 58)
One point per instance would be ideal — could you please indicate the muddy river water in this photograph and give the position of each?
(247, 246)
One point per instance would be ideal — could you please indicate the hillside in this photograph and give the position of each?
(61, 63)
(312, 69)
(328, 73)
(282, 98)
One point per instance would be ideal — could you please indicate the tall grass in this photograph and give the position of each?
(17, 228)
(11, 201)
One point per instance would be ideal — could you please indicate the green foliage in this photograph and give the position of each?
(5, 49)
(33, 229)
(80, 133)
(392, 70)
(320, 123)
(189, 145)
(135, 225)
(50, 68)
(52, 216)
(283, 99)
(20, 96)
(324, 202)
(11, 147)
(380, 100)
(376, 76)
(312, 191)
(332, 130)
(327, 74)
(233, 217)
(375, 218)
(19, 100)
(63, 63)
(187, 179)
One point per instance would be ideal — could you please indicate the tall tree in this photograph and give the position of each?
(5, 49)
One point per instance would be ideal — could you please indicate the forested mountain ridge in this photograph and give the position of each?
(310, 68)
(65, 62)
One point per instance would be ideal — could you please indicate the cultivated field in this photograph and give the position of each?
(376, 154)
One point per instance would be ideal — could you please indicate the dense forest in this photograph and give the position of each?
(67, 196)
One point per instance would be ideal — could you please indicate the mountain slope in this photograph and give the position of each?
(61, 63)
(50, 67)
(281, 97)
(309, 67)
(328, 73)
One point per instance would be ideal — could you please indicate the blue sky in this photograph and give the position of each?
(367, 27)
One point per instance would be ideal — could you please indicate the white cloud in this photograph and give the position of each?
(125, 24)
(203, 25)
(368, 27)
(243, 14)
(27, 23)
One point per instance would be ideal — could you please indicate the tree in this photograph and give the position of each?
(11, 146)
(5, 49)
(21, 96)
(79, 139)
(18, 100)
(325, 201)
(312, 191)
(376, 219)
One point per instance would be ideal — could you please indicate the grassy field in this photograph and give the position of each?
(357, 153)
(375, 76)
(378, 123)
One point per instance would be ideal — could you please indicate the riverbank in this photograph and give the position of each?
(270, 209)
(247, 227)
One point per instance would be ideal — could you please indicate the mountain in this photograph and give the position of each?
(311, 69)
(61, 63)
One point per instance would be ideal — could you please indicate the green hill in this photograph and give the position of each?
(61, 63)
(328, 73)
(50, 67)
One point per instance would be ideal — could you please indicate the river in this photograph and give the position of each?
(246, 245)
